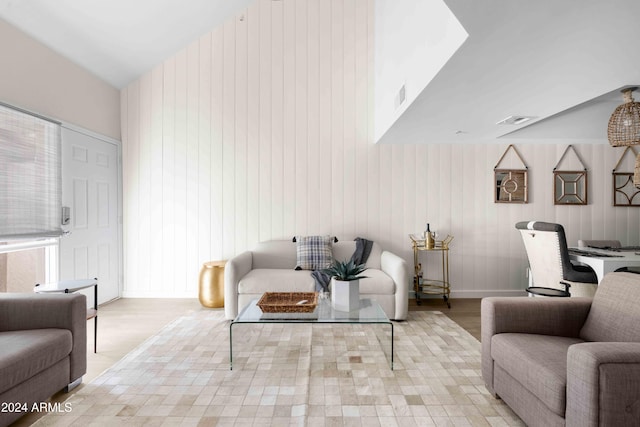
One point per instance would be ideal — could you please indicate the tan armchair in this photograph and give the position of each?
(567, 361)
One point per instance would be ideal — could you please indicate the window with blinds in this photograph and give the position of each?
(30, 176)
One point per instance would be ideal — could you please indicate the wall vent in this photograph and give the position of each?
(401, 97)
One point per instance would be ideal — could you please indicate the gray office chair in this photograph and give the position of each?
(552, 272)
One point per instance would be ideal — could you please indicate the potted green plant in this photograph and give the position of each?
(345, 284)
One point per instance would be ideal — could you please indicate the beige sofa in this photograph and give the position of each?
(270, 267)
(567, 361)
(43, 349)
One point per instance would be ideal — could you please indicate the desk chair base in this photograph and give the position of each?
(635, 270)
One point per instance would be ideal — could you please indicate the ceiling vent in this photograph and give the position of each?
(400, 97)
(515, 120)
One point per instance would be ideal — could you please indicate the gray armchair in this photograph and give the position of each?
(43, 348)
(567, 361)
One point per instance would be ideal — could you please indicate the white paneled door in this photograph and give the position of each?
(90, 190)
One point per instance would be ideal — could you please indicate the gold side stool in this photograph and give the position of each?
(211, 293)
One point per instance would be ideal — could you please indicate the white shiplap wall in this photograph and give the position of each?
(262, 129)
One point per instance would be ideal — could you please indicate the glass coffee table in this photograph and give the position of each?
(369, 312)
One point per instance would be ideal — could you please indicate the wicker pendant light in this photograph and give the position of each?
(624, 127)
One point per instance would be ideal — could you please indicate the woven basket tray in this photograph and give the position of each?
(287, 302)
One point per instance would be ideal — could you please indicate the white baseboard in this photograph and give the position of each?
(151, 294)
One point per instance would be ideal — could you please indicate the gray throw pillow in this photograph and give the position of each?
(314, 252)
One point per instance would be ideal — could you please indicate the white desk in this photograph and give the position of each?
(602, 265)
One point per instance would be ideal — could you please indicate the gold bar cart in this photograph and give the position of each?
(431, 286)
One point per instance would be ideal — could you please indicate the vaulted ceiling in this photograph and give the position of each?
(562, 62)
(118, 40)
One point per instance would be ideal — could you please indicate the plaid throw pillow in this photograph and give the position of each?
(314, 252)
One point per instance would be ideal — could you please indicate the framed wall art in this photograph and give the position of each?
(570, 187)
(511, 185)
(625, 192)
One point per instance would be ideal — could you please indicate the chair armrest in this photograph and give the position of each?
(544, 316)
(234, 270)
(19, 312)
(534, 315)
(40, 311)
(603, 384)
(396, 268)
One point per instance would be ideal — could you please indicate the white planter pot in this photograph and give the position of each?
(345, 295)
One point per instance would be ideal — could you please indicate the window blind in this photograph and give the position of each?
(30, 176)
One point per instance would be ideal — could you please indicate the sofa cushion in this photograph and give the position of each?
(29, 352)
(615, 310)
(274, 254)
(314, 252)
(376, 282)
(344, 249)
(261, 280)
(538, 362)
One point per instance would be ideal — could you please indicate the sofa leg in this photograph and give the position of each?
(492, 392)
(75, 383)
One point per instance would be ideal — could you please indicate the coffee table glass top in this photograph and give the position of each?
(369, 312)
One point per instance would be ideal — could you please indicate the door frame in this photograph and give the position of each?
(52, 253)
